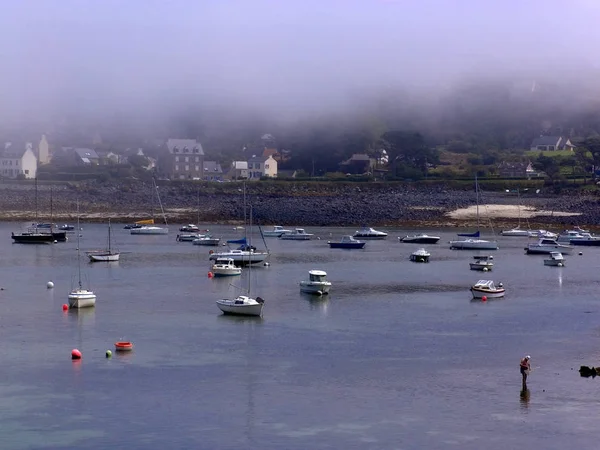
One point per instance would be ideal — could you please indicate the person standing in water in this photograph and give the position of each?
(525, 367)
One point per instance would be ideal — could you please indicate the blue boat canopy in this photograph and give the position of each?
(475, 235)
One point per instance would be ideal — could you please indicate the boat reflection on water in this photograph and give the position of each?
(317, 303)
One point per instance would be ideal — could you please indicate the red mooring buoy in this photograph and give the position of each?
(75, 354)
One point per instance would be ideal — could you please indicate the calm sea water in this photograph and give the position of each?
(398, 356)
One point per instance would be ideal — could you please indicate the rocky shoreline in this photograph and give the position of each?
(292, 204)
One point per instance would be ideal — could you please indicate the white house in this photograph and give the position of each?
(16, 160)
(239, 170)
(545, 143)
(262, 166)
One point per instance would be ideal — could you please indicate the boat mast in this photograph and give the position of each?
(249, 250)
(36, 203)
(78, 245)
(159, 202)
(109, 251)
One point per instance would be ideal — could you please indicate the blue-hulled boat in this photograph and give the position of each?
(347, 242)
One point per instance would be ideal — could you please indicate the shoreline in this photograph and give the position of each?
(298, 204)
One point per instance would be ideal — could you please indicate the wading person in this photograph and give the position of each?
(525, 368)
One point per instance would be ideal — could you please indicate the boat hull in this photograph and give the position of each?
(82, 298)
(226, 272)
(585, 242)
(481, 266)
(554, 263)
(34, 238)
(480, 293)
(474, 244)
(241, 259)
(295, 237)
(149, 230)
(419, 240)
(104, 257)
(515, 233)
(419, 258)
(315, 288)
(187, 237)
(546, 250)
(240, 310)
(346, 244)
(209, 242)
(368, 236)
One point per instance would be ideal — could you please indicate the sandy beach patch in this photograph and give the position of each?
(504, 212)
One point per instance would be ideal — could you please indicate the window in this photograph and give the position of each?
(187, 167)
(187, 159)
(26, 172)
(249, 165)
(177, 159)
(197, 160)
(196, 151)
(176, 166)
(197, 168)
(266, 166)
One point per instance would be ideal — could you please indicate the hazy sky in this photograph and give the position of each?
(293, 55)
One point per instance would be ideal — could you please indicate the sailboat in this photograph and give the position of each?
(108, 255)
(147, 226)
(517, 231)
(37, 233)
(473, 242)
(80, 297)
(243, 305)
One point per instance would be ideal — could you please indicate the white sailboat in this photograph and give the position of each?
(148, 226)
(472, 241)
(80, 297)
(243, 305)
(517, 231)
(108, 255)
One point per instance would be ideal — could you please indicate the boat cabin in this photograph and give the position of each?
(557, 256)
(487, 285)
(225, 261)
(317, 276)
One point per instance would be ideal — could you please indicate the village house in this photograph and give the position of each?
(261, 166)
(358, 163)
(86, 156)
(551, 143)
(238, 171)
(508, 169)
(183, 160)
(18, 160)
(212, 171)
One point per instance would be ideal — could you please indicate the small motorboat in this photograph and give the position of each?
(546, 246)
(556, 259)
(188, 237)
(66, 227)
(515, 232)
(132, 225)
(346, 242)
(299, 234)
(123, 346)
(190, 228)
(224, 267)
(420, 255)
(316, 284)
(370, 233)
(207, 240)
(487, 288)
(483, 263)
(277, 231)
(242, 306)
(419, 239)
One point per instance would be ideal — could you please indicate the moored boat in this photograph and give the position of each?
(487, 288)
(224, 267)
(346, 242)
(188, 237)
(556, 259)
(370, 233)
(277, 231)
(474, 244)
(420, 255)
(242, 305)
(419, 239)
(298, 234)
(483, 263)
(317, 283)
(206, 240)
(545, 246)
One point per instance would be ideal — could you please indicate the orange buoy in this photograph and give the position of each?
(484, 298)
(65, 307)
(123, 346)
(75, 354)
(210, 275)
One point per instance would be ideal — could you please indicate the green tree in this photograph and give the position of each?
(409, 149)
(549, 166)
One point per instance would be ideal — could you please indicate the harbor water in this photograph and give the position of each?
(397, 356)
